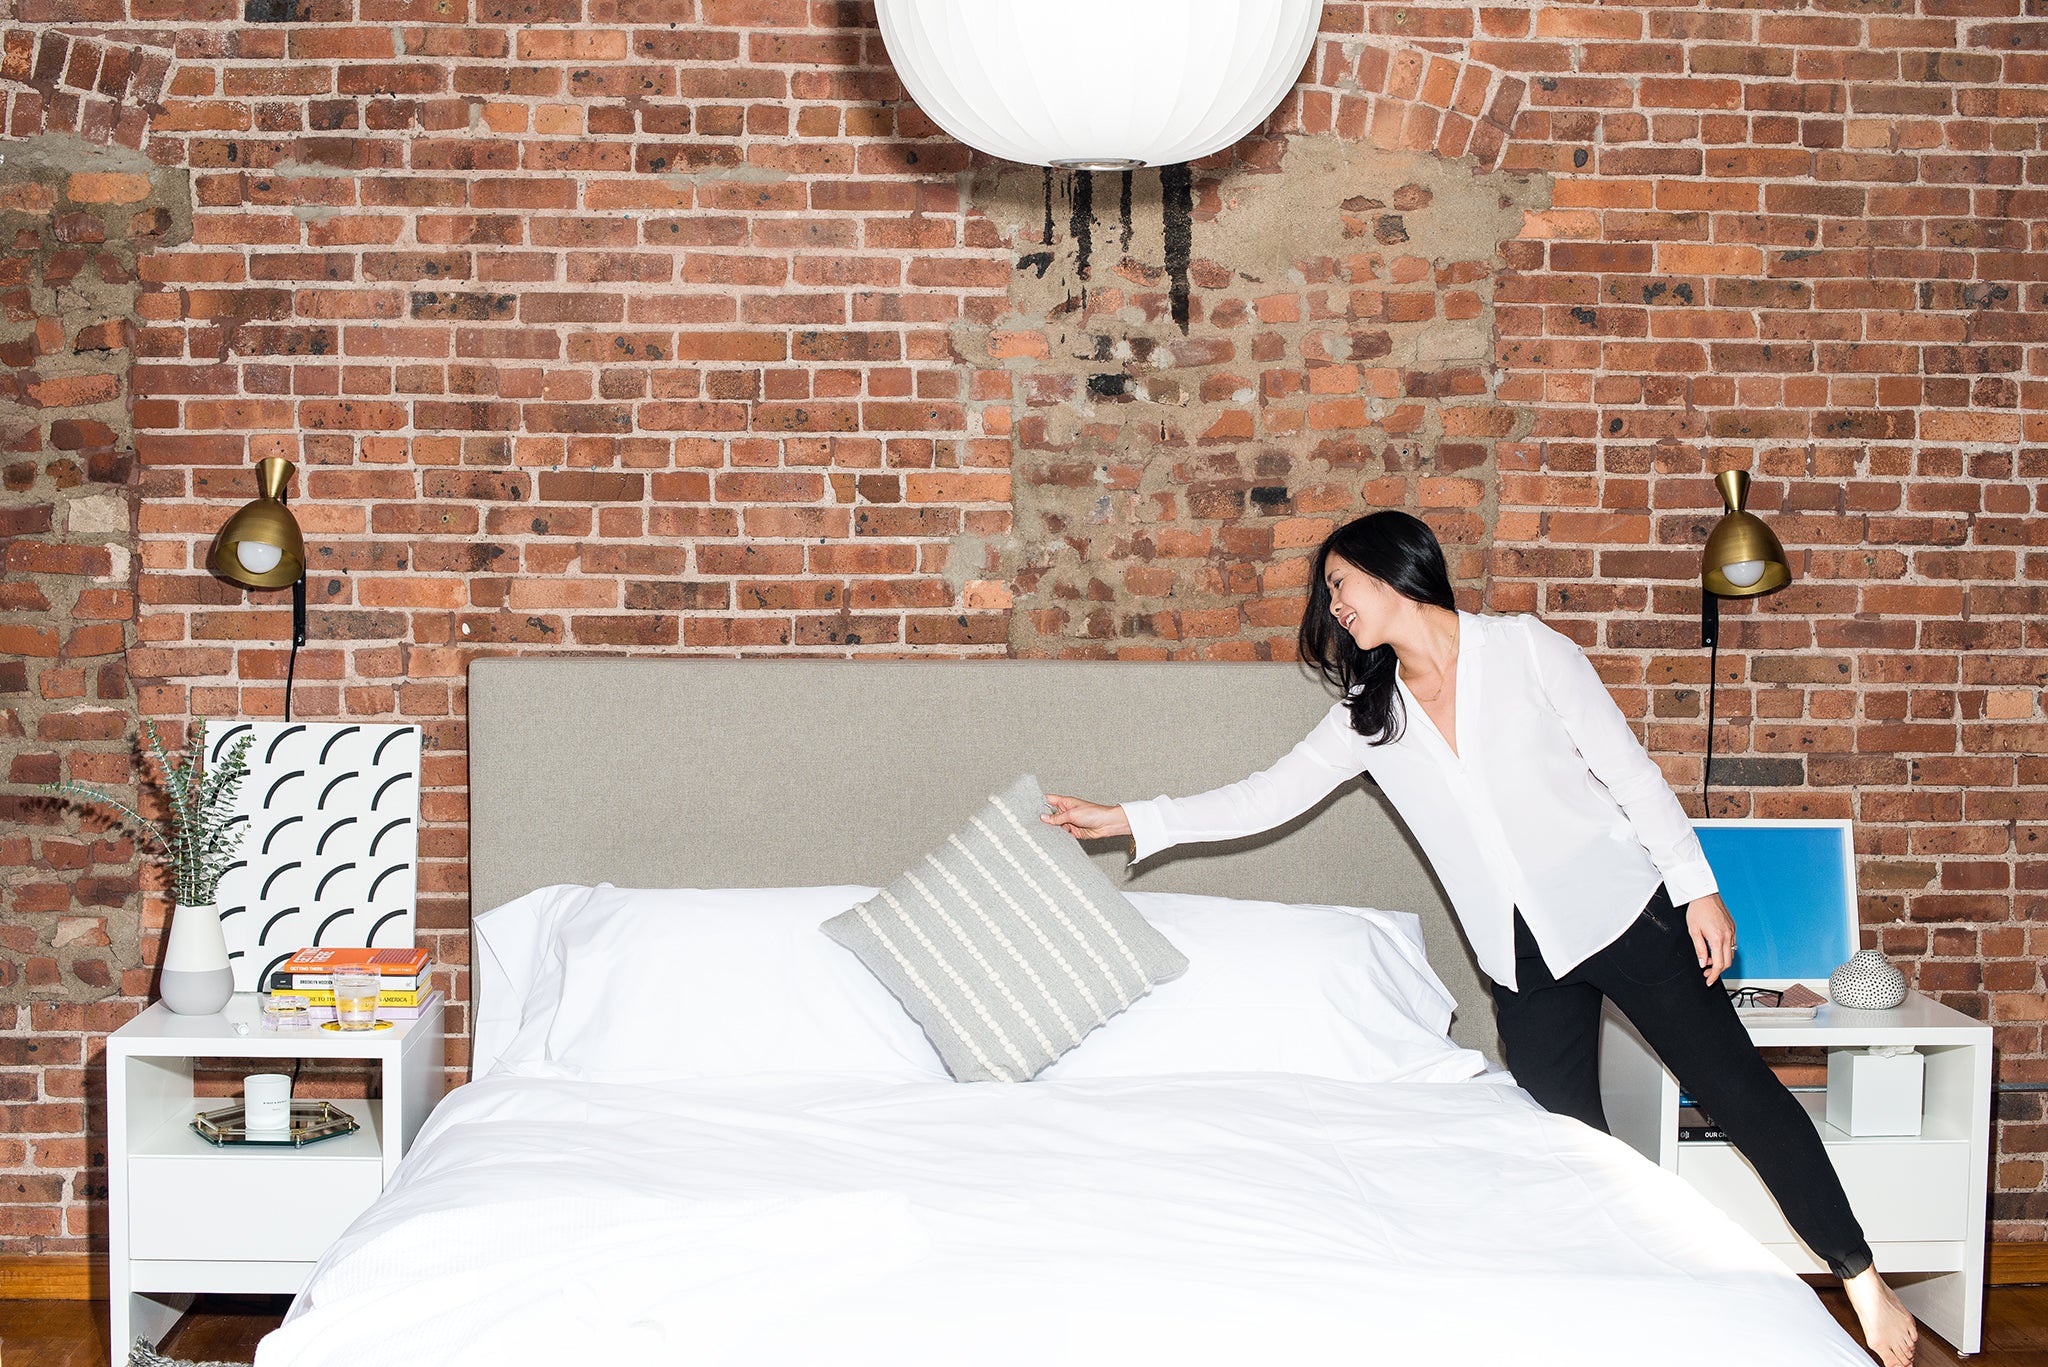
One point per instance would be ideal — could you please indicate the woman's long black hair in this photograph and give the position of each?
(1401, 552)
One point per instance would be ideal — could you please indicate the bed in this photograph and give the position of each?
(701, 1133)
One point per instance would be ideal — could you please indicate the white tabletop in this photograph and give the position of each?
(160, 1032)
(1924, 1017)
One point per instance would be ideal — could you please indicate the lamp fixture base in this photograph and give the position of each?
(1097, 163)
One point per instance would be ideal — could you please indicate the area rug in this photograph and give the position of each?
(144, 1354)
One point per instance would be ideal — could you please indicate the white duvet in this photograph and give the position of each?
(1224, 1219)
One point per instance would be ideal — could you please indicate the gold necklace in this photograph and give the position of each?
(1448, 673)
(1439, 690)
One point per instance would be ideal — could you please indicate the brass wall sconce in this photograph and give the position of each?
(1742, 559)
(260, 547)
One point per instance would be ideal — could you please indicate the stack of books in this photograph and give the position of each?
(405, 992)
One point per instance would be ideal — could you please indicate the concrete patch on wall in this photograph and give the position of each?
(1211, 372)
(75, 221)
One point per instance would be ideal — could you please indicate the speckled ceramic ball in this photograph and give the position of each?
(1867, 983)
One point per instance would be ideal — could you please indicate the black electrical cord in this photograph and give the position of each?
(291, 667)
(1707, 769)
(1710, 637)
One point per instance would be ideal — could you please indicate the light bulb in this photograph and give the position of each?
(1742, 573)
(259, 557)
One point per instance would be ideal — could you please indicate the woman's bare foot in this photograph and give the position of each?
(1888, 1328)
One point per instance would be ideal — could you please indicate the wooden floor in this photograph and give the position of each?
(74, 1333)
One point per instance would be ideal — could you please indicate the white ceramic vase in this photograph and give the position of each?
(197, 979)
(1868, 982)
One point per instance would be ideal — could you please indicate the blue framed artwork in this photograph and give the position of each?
(1791, 886)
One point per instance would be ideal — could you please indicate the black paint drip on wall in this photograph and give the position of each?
(1177, 198)
(1042, 261)
(1081, 222)
(1177, 204)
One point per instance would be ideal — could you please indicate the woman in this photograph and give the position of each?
(1574, 871)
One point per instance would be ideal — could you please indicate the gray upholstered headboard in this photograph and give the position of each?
(764, 773)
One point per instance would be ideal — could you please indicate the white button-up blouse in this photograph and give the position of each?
(1548, 805)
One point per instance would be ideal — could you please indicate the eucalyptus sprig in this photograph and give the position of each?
(202, 837)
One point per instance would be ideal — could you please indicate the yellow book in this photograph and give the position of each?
(324, 996)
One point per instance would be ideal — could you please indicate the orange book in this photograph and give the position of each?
(396, 963)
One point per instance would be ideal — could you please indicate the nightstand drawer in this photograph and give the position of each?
(235, 1207)
(1912, 1191)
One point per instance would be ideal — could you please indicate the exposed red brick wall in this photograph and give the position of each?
(1183, 436)
(1809, 242)
(600, 325)
(100, 88)
(74, 219)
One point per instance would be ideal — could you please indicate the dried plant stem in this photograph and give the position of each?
(201, 841)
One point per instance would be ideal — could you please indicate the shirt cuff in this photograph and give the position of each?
(1148, 829)
(1689, 880)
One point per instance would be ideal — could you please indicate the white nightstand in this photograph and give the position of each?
(185, 1216)
(1921, 1200)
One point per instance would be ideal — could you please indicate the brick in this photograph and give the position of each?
(73, 391)
(30, 641)
(106, 187)
(591, 487)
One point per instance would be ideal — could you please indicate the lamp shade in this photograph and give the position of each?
(1096, 86)
(1742, 559)
(260, 546)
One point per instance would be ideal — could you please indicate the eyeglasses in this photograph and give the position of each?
(1756, 996)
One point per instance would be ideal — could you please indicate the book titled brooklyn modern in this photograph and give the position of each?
(324, 982)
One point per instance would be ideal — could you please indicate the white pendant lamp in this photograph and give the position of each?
(1098, 85)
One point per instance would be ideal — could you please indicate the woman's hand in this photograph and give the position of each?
(1713, 934)
(1084, 820)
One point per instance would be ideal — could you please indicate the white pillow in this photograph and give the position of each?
(508, 946)
(1336, 992)
(640, 983)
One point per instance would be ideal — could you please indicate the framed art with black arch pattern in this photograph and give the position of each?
(331, 853)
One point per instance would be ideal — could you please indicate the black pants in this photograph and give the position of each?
(1550, 1029)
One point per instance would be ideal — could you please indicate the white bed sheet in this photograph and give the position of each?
(1223, 1219)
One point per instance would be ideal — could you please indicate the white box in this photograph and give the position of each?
(1875, 1093)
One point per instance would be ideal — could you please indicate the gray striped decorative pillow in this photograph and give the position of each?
(1006, 944)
